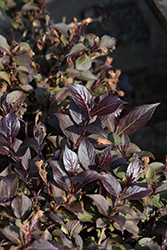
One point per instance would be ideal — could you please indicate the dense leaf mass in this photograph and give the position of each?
(70, 178)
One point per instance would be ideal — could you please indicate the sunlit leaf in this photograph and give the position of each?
(136, 119)
(134, 170)
(10, 125)
(70, 160)
(87, 154)
(107, 105)
(83, 62)
(111, 184)
(137, 191)
(81, 96)
(108, 41)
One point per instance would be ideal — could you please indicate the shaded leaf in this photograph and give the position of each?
(67, 126)
(8, 186)
(70, 160)
(56, 217)
(101, 203)
(95, 128)
(41, 244)
(22, 59)
(4, 46)
(87, 154)
(12, 233)
(5, 76)
(162, 188)
(101, 222)
(15, 98)
(120, 220)
(105, 245)
(29, 142)
(78, 114)
(21, 206)
(83, 62)
(60, 175)
(136, 119)
(86, 176)
(39, 132)
(111, 184)
(134, 170)
(105, 158)
(79, 241)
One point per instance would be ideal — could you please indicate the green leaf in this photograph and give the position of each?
(79, 47)
(4, 46)
(22, 68)
(83, 62)
(4, 76)
(85, 216)
(29, 6)
(108, 41)
(86, 75)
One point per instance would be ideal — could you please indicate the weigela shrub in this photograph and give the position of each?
(70, 178)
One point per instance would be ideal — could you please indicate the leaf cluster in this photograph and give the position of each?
(70, 178)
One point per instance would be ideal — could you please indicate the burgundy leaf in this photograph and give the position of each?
(21, 206)
(137, 191)
(105, 245)
(60, 175)
(79, 241)
(111, 184)
(41, 244)
(70, 160)
(74, 226)
(134, 170)
(59, 96)
(107, 105)
(81, 96)
(105, 158)
(29, 142)
(136, 119)
(86, 176)
(66, 242)
(4, 144)
(10, 125)
(121, 220)
(108, 121)
(67, 126)
(87, 154)
(101, 203)
(78, 114)
(39, 132)
(95, 128)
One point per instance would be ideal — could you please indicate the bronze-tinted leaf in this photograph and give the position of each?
(137, 191)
